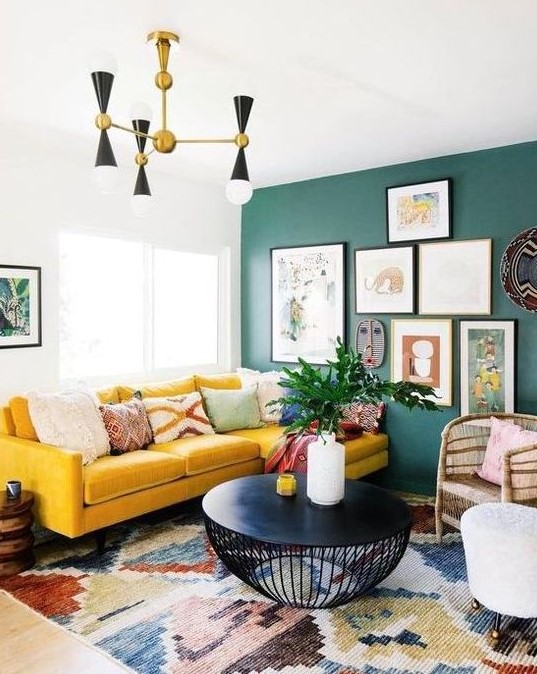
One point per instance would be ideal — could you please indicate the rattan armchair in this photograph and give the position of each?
(458, 487)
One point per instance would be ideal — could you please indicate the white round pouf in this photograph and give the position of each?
(500, 546)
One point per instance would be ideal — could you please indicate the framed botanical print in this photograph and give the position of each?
(488, 366)
(308, 302)
(420, 211)
(421, 353)
(384, 280)
(20, 306)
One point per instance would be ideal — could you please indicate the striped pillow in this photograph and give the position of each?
(177, 417)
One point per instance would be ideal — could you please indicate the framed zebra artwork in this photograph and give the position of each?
(384, 280)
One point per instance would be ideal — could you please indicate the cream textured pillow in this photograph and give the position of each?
(267, 390)
(69, 420)
(177, 417)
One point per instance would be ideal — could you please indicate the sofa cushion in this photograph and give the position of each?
(208, 452)
(177, 417)
(174, 387)
(366, 445)
(229, 380)
(231, 409)
(113, 476)
(108, 395)
(127, 425)
(265, 437)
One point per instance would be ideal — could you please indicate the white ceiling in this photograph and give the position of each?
(339, 86)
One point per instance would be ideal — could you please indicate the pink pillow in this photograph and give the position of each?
(504, 435)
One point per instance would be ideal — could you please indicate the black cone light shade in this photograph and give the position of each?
(238, 189)
(240, 170)
(102, 83)
(243, 105)
(142, 184)
(105, 154)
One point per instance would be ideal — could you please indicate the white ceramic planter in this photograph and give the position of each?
(326, 471)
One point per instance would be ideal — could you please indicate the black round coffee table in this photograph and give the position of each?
(301, 555)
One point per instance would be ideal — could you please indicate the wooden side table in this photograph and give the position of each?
(16, 537)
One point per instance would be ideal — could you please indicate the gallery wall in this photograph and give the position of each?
(46, 186)
(494, 196)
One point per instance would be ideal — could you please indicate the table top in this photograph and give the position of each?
(11, 506)
(250, 506)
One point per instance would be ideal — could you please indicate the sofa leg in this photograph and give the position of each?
(100, 537)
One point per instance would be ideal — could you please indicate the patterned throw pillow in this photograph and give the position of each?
(127, 425)
(368, 415)
(177, 417)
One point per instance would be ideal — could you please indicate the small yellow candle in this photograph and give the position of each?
(286, 484)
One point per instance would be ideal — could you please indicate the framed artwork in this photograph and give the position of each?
(384, 280)
(308, 302)
(421, 353)
(419, 211)
(20, 306)
(455, 277)
(488, 366)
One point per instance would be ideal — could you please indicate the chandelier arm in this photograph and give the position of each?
(204, 140)
(136, 133)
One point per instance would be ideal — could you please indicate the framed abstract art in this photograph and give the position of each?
(308, 302)
(421, 353)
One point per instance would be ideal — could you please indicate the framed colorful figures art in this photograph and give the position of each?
(488, 367)
(420, 211)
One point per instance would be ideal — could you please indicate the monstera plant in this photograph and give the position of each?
(319, 396)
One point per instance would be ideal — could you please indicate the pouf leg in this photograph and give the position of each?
(495, 629)
(475, 604)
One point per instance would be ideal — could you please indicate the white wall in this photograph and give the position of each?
(44, 189)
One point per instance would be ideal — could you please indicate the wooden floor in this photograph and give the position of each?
(30, 643)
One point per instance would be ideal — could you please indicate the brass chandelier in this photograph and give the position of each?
(238, 189)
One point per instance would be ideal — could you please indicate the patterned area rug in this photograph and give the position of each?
(161, 602)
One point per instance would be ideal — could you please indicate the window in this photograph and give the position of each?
(127, 307)
(185, 300)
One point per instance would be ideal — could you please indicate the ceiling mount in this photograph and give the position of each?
(238, 190)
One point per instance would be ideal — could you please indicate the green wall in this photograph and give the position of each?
(494, 196)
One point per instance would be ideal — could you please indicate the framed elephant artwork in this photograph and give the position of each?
(384, 280)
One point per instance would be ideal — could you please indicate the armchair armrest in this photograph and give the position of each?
(463, 446)
(519, 475)
(54, 475)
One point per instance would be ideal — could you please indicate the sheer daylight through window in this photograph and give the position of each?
(128, 308)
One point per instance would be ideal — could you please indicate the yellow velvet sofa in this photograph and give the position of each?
(73, 499)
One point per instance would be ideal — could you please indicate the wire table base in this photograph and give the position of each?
(307, 576)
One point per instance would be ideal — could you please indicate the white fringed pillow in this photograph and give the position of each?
(69, 420)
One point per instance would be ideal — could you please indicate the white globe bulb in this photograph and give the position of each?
(239, 191)
(105, 178)
(103, 62)
(141, 205)
(141, 110)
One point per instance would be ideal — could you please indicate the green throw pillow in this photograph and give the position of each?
(231, 409)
